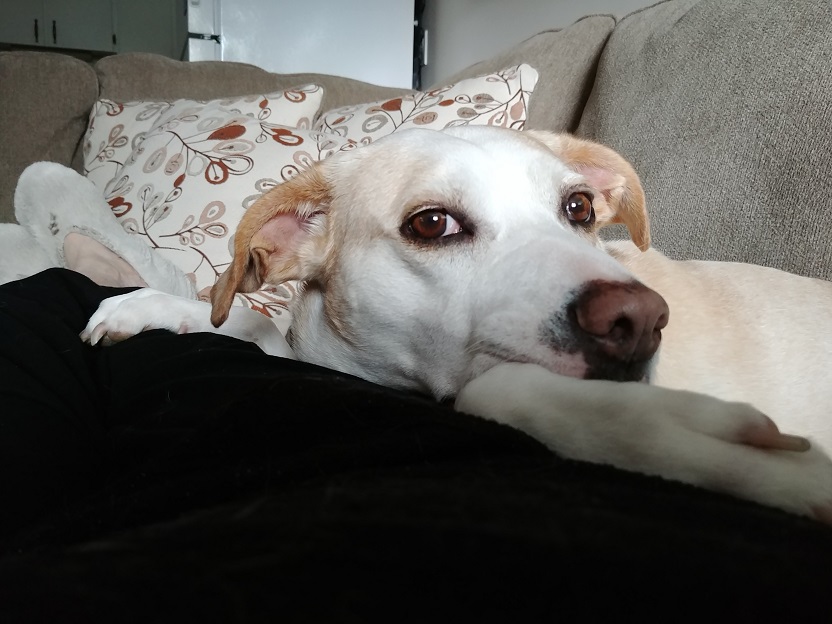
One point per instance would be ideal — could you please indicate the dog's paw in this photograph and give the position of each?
(123, 316)
(722, 446)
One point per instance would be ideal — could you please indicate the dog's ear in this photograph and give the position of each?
(281, 237)
(623, 197)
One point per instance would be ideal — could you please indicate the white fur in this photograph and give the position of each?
(463, 320)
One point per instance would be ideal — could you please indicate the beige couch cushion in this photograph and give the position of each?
(565, 60)
(126, 77)
(725, 109)
(44, 102)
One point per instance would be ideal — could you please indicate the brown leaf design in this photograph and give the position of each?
(213, 211)
(216, 230)
(425, 118)
(226, 133)
(518, 109)
(392, 105)
(284, 136)
(446, 102)
(174, 163)
(115, 131)
(113, 108)
(294, 96)
(216, 172)
(119, 206)
(179, 180)
(175, 193)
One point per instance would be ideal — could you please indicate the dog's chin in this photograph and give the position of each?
(620, 371)
(569, 365)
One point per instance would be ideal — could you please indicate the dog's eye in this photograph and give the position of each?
(432, 223)
(578, 209)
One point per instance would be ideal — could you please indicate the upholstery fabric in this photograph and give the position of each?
(136, 76)
(35, 124)
(724, 107)
(565, 61)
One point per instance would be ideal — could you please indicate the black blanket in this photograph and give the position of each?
(193, 478)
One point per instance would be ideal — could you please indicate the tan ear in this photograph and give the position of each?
(623, 196)
(281, 237)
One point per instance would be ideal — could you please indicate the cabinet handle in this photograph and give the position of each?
(54, 32)
(36, 30)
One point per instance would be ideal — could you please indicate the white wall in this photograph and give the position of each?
(463, 32)
(369, 40)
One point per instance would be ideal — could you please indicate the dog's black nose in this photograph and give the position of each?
(624, 320)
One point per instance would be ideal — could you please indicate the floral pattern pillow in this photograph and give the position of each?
(115, 129)
(188, 181)
(181, 174)
(498, 99)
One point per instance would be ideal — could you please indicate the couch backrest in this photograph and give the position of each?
(724, 107)
(45, 100)
(565, 60)
(126, 77)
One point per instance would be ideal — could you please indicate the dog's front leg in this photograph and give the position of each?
(697, 439)
(123, 316)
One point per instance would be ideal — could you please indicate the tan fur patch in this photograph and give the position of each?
(254, 260)
(630, 207)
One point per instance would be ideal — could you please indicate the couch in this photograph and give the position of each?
(403, 510)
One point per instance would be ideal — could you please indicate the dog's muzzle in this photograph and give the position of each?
(616, 326)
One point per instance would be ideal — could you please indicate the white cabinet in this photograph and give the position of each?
(69, 24)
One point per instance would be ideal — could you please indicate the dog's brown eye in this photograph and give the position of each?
(433, 223)
(578, 208)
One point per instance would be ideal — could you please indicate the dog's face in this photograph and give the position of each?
(430, 256)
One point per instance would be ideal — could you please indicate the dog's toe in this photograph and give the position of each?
(766, 435)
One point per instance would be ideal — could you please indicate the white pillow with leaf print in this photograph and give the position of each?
(115, 129)
(497, 99)
(188, 183)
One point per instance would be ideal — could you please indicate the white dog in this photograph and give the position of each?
(465, 264)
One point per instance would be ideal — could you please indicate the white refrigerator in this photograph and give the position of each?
(370, 40)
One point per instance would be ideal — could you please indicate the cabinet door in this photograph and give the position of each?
(159, 26)
(21, 22)
(79, 24)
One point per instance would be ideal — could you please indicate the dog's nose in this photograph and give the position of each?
(624, 319)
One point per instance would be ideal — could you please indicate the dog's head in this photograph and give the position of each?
(430, 256)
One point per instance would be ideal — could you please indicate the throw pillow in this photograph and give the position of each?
(189, 179)
(498, 99)
(184, 183)
(115, 129)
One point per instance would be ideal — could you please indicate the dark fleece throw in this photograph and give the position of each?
(193, 478)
